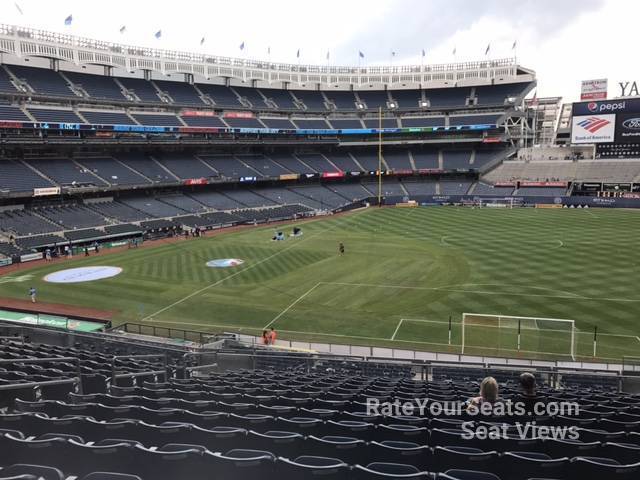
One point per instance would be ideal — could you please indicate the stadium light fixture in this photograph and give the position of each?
(424, 104)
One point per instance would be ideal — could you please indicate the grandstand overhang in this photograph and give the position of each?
(23, 42)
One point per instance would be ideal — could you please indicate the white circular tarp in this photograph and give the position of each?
(225, 262)
(82, 274)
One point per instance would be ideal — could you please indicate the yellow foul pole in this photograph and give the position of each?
(380, 156)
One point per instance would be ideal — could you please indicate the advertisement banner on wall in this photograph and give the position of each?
(238, 115)
(593, 128)
(197, 113)
(196, 181)
(29, 257)
(627, 105)
(41, 192)
(542, 184)
(628, 128)
(594, 89)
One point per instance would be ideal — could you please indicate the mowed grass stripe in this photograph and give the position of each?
(515, 251)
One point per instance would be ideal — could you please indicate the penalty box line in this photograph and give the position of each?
(482, 292)
(414, 320)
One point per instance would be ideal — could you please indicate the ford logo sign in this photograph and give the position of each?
(632, 124)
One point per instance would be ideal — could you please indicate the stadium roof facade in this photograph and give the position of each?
(23, 42)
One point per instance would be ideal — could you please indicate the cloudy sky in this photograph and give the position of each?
(564, 41)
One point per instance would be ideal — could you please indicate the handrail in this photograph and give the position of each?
(76, 360)
(116, 358)
(12, 338)
(15, 386)
(140, 374)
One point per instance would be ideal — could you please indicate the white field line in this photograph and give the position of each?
(621, 335)
(424, 320)
(249, 267)
(576, 297)
(420, 320)
(291, 305)
(396, 330)
(502, 285)
(444, 242)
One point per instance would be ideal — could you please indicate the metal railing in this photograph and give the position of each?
(77, 379)
(115, 376)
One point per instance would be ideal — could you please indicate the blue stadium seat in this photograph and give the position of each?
(456, 474)
(523, 465)
(31, 472)
(351, 450)
(285, 444)
(388, 470)
(409, 453)
(404, 433)
(597, 468)
(110, 476)
(311, 467)
(464, 458)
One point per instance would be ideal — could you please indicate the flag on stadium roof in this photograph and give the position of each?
(298, 54)
(327, 54)
(454, 50)
(68, 20)
(360, 54)
(158, 34)
(423, 52)
(513, 47)
(393, 54)
(242, 46)
(202, 41)
(268, 50)
(18, 8)
(123, 29)
(487, 50)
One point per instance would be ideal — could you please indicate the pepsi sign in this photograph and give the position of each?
(628, 105)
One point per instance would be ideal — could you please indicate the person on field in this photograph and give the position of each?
(341, 248)
(272, 336)
(32, 294)
(86, 251)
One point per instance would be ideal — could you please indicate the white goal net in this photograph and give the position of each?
(508, 335)
(509, 202)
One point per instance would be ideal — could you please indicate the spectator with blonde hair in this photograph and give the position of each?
(488, 393)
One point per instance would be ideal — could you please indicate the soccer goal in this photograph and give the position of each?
(507, 335)
(508, 202)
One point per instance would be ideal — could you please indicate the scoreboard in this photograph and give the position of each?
(606, 121)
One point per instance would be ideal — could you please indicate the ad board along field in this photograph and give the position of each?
(422, 264)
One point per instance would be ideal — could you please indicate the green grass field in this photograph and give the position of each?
(404, 273)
